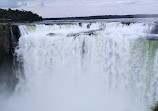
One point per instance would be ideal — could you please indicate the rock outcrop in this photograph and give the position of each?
(7, 77)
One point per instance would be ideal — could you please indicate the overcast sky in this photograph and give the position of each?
(64, 8)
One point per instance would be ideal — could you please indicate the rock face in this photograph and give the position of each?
(4, 41)
(7, 77)
(155, 29)
(156, 108)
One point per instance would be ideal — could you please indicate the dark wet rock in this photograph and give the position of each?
(126, 23)
(89, 32)
(4, 40)
(152, 37)
(155, 108)
(88, 26)
(155, 29)
(73, 35)
(83, 48)
(7, 77)
(16, 32)
(80, 24)
(51, 34)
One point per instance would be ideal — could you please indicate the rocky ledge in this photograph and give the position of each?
(8, 33)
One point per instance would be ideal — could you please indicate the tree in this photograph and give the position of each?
(17, 15)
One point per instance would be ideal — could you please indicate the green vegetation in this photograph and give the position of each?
(31, 27)
(17, 15)
(4, 31)
(106, 17)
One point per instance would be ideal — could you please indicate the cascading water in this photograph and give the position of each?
(72, 68)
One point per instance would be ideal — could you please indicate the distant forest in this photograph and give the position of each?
(18, 15)
(106, 17)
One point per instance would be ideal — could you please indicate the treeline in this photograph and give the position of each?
(105, 17)
(18, 15)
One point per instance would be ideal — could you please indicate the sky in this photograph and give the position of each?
(71, 8)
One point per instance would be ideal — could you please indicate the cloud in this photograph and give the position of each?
(62, 8)
(31, 3)
(8, 3)
(20, 3)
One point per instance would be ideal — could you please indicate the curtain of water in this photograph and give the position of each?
(112, 69)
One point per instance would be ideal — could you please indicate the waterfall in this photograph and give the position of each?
(103, 67)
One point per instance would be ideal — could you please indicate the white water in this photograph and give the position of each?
(111, 71)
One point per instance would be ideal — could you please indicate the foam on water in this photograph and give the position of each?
(113, 70)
